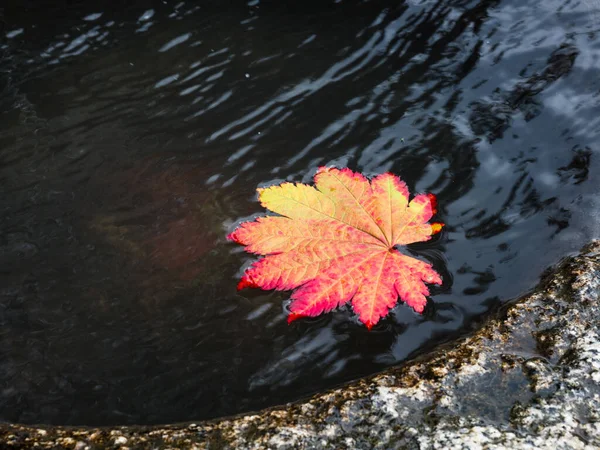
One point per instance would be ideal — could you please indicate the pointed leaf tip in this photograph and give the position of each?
(369, 325)
(436, 227)
(294, 316)
(246, 283)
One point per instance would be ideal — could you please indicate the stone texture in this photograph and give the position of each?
(529, 378)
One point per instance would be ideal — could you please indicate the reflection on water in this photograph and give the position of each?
(132, 139)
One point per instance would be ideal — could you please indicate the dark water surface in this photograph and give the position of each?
(132, 139)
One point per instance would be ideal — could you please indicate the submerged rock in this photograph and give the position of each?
(163, 219)
(529, 378)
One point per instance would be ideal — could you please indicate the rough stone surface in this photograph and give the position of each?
(528, 379)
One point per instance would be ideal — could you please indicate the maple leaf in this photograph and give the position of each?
(336, 242)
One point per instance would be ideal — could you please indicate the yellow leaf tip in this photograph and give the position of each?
(436, 227)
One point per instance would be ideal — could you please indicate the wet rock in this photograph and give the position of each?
(529, 378)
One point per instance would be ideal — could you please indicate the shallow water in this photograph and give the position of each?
(132, 140)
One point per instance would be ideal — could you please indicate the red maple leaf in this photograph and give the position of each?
(336, 242)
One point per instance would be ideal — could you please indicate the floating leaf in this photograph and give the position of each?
(336, 242)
